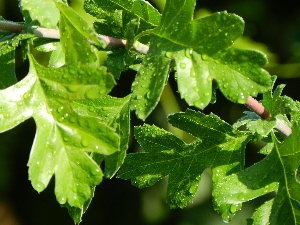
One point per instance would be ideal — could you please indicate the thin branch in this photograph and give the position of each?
(256, 107)
(251, 103)
(11, 26)
(54, 34)
(46, 33)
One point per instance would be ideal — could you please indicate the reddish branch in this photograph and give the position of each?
(253, 104)
(256, 107)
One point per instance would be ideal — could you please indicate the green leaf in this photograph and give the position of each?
(63, 139)
(115, 113)
(200, 49)
(44, 12)
(120, 60)
(149, 82)
(255, 124)
(75, 33)
(114, 15)
(276, 172)
(216, 146)
(57, 58)
(7, 75)
(8, 45)
(277, 104)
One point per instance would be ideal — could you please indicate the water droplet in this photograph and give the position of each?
(189, 52)
(169, 54)
(148, 95)
(85, 142)
(73, 88)
(182, 65)
(204, 57)
(66, 139)
(91, 94)
(193, 188)
(233, 209)
(27, 95)
(37, 162)
(60, 109)
(40, 187)
(241, 98)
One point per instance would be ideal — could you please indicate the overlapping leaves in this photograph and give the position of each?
(8, 44)
(63, 137)
(275, 173)
(116, 16)
(43, 13)
(200, 51)
(65, 140)
(216, 146)
(115, 113)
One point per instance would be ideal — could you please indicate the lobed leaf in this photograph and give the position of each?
(275, 173)
(115, 15)
(44, 12)
(200, 50)
(75, 34)
(8, 45)
(216, 146)
(64, 139)
(116, 114)
(277, 104)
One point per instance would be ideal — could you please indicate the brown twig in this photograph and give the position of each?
(11, 26)
(260, 110)
(253, 104)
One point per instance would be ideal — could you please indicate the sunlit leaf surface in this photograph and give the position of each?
(63, 138)
(216, 146)
(200, 49)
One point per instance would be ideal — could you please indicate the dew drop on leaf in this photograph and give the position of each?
(182, 65)
(189, 52)
(73, 88)
(204, 57)
(40, 187)
(148, 95)
(193, 188)
(241, 98)
(233, 209)
(91, 94)
(27, 95)
(85, 142)
(169, 54)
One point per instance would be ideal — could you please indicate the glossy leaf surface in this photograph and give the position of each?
(276, 172)
(63, 139)
(44, 12)
(216, 146)
(115, 113)
(200, 51)
(75, 34)
(115, 15)
(8, 45)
